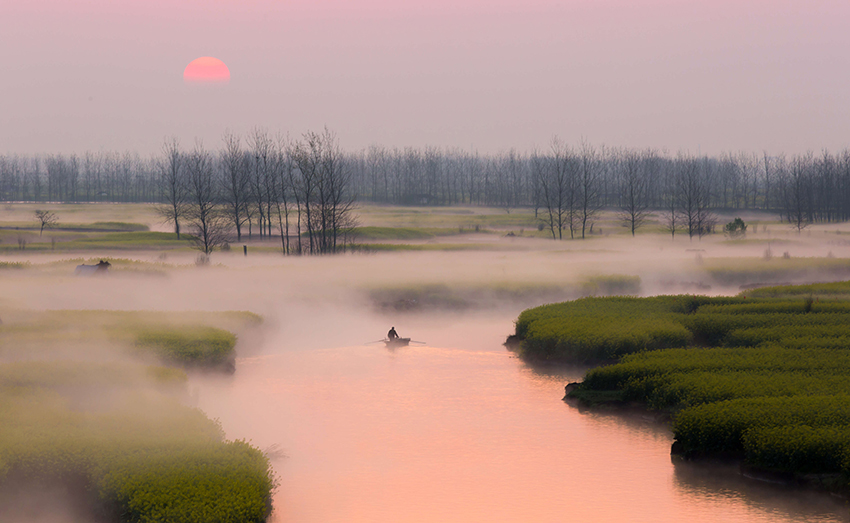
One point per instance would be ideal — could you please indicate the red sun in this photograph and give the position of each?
(206, 69)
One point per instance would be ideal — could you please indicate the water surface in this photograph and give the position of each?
(463, 431)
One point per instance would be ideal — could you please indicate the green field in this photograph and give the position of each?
(763, 377)
(95, 401)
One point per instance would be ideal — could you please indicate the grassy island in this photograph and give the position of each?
(96, 401)
(763, 376)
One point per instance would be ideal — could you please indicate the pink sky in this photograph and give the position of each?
(694, 75)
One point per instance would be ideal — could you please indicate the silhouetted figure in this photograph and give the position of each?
(392, 335)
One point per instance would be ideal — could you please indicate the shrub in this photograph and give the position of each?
(735, 229)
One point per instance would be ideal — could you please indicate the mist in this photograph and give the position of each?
(342, 418)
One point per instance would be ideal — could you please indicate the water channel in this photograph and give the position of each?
(460, 430)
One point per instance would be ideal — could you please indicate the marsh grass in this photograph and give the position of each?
(395, 247)
(611, 285)
(739, 271)
(120, 226)
(147, 459)
(81, 241)
(15, 265)
(188, 339)
(764, 378)
(392, 233)
(112, 429)
(190, 346)
(490, 294)
(835, 291)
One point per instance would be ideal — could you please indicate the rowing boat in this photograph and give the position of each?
(397, 342)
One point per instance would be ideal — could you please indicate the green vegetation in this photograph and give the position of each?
(735, 229)
(391, 247)
(96, 240)
(143, 459)
(392, 233)
(113, 428)
(440, 296)
(189, 346)
(763, 377)
(467, 218)
(15, 265)
(611, 285)
(740, 271)
(594, 329)
(120, 226)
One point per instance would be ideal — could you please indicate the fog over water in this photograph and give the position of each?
(455, 429)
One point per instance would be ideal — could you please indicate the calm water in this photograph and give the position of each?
(462, 431)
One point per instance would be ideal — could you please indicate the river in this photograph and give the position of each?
(460, 430)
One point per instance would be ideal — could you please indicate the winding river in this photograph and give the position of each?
(460, 430)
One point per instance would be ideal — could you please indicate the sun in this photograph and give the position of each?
(206, 69)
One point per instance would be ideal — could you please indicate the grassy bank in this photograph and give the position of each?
(82, 407)
(455, 297)
(763, 377)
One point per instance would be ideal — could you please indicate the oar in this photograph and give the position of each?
(376, 341)
(414, 341)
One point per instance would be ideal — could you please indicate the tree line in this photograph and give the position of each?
(296, 190)
(276, 186)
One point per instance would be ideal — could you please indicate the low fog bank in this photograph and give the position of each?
(353, 298)
(264, 282)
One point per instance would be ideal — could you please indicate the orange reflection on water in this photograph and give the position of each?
(451, 435)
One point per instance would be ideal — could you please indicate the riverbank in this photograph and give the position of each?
(95, 405)
(761, 378)
(612, 401)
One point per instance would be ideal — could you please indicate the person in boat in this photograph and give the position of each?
(392, 335)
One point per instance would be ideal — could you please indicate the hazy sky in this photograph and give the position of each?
(707, 75)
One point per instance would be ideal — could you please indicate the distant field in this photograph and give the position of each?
(84, 213)
(82, 227)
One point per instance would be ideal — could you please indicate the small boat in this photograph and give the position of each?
(397, 342)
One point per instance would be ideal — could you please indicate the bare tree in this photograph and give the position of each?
(262, 179)
(209, 224)
(339, 197)
(555, 175)
(670, 218)
(284, 167)
(235, 181)
(589, 178)
(172, 185)
(323, 187)
(688, 193)
(46, 219)
(706, 220)
(796, 192)
(632, 183)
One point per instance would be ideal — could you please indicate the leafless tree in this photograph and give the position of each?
(797, 192)
(590, 173)
(324, 192)
(46, 219)
(632, 187)
(235, 181)
(555, 175)
(209, 223)
(284, 168)
(262, 179)
(172, 184)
